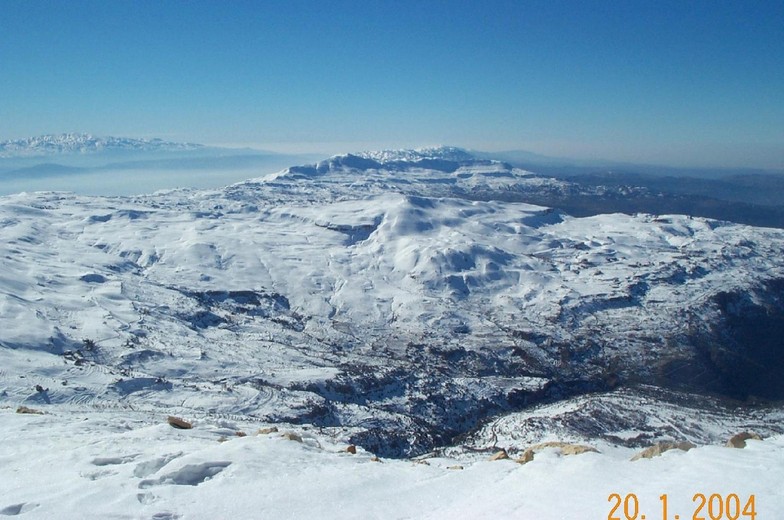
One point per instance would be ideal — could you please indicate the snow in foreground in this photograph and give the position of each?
(122, 464)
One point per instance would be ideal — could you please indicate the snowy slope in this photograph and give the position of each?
(392, 299)
(127, 465)
(397, 301)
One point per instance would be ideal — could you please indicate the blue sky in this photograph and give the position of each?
(681, 82)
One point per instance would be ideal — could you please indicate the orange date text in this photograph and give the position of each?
(705, 507)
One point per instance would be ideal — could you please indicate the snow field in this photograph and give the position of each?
(350, 297)
(127, 465)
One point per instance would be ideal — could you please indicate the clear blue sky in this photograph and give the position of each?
(677, 82)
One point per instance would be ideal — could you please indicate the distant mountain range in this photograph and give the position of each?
(87, 164)
(70, 143)
(746, 196)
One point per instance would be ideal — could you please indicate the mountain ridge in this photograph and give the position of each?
(399, 308)
(84, 143)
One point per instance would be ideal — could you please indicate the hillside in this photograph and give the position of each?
(395, 303)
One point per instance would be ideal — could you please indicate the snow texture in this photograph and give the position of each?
(59, 466)
(392, 300)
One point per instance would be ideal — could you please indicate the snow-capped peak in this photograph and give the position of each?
(70, 143)
(447, 159)
(444, 153)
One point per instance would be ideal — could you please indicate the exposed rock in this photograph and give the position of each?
(455, 467)
(564, 449)
(24, 409)
(352, 449)
(501, 455)
(267, 431)
(577, 449)
(179, 423)
(291, 436)
(660, 447)
(240, 434)
(739, 440)
(528, 456)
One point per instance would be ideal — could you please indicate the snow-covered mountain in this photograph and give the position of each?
(73, 143)
(445, 153)
(405, 302)
(395, 299)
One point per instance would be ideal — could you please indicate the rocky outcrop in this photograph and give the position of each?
(26, 410)
(291, 436)
(500, 455)
(660, 447)
(739, 440)
(180, 424)
(564, 449)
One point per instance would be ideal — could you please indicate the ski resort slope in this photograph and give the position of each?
(124, 465)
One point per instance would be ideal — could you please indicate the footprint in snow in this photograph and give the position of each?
(107, 461)
(95, 475)
(148, 467)
(146, 498)
(190, 475)
(165, 516)
(18, 509)
(113, 461)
